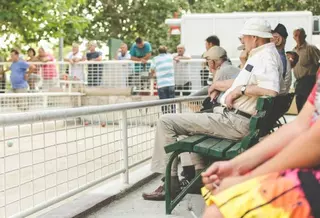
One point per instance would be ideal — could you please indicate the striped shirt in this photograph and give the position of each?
(163, 66)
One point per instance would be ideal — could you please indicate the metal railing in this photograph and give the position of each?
(48, 156)
(22, 102)
(189, 75)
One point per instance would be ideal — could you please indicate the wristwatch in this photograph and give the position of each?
(243, 90)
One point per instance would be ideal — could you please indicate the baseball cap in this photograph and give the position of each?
(215, 53)
(257, 27)
(281, 30)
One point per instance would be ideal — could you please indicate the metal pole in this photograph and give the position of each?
(61, 49)
(180, 107)
(125, 174)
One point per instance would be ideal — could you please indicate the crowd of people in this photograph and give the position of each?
(280, 175)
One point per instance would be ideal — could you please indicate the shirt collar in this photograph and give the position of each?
(260, 48)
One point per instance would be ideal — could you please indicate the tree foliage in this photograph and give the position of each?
(124, 19)
(37, 19)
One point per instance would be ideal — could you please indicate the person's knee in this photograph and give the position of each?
(212, 212)
(167, 118)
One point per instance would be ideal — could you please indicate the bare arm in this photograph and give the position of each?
(135, 58)
(254, 90)
(222, 85)
(44, 59)
(32, 68)
(147, 57)
(68, 60)
(98, 58)
(274, 143)
(153, 72)
(302, 152)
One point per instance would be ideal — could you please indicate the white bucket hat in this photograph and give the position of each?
(257, 27)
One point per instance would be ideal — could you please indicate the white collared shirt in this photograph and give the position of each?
(264, 69)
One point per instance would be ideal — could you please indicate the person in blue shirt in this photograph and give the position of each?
(141, 52)
(162, 68)
(19, 72)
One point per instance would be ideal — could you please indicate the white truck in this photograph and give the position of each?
(195, 28)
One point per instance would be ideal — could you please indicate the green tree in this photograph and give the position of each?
(126, 20)
(37, 19)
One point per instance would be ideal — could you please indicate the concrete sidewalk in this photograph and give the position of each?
(133, 206)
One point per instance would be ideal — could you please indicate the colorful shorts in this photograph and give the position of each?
(292, 193)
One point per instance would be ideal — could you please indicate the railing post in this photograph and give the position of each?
(151, 86)
(125, 175)
(180, 107)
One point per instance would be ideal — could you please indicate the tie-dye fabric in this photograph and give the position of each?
(277, 195)
(314, 99)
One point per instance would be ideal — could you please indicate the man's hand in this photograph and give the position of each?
(44, 59)
(212, 66)
(214, 95)
(232, 96)
(144, 61)
(26, 77)
(243, 58)
(217, 172)
(177, 59)
(211, 89)
(229, 182)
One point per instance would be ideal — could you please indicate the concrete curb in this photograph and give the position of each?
(102, 195)
(118, 196)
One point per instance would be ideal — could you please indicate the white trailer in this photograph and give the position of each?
(195, 28)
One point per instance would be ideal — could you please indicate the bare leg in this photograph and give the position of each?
(212, 212)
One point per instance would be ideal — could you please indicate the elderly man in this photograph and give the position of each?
(278, 177)
(181, 54)
(123, 53)
(183, 74)
(280, 35)
(306, 68)
(260, 77)
(94, 70)
(74, 57)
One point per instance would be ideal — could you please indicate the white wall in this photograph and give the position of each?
(195, 28)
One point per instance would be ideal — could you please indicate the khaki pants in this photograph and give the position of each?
(221, 123)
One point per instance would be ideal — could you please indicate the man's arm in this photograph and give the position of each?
(274, 143)
(222, 85)
(302, 152)
(256, 91)
(187, 57)
(315, 53)
(133, 58)
(98, 58)
(153, 72)
(147, 57)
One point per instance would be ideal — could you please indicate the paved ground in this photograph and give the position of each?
(134, 206)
